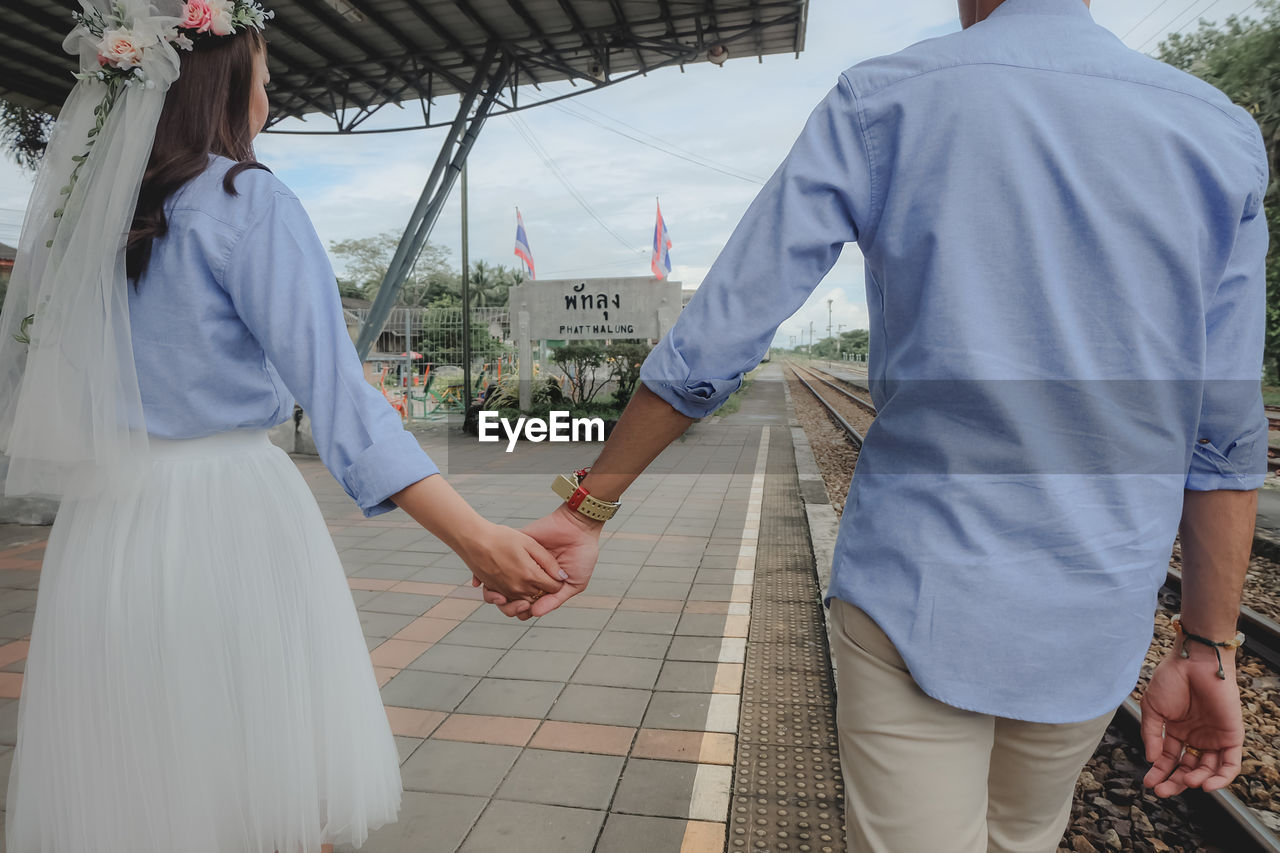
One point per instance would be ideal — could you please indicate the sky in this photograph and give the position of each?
(737, 121)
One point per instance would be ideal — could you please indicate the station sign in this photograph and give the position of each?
(577, 309)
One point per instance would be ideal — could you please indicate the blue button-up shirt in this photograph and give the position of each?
(238, 309)
(1064, 272)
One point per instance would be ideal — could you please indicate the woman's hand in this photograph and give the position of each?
(503, 559)
(574, 542)
(510, 562)
(1191, 723)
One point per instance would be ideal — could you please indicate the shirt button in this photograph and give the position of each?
(1204, 441)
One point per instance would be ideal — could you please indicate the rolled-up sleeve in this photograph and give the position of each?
(787, 241)
(1230, 449)
(282, 285)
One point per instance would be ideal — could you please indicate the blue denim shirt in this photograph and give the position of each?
(1064, 250)
(237, 313)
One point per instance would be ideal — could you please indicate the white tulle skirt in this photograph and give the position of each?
(197, 680)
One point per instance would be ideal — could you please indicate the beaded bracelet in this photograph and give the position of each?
(1234, 643)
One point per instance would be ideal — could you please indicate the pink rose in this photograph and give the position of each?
(196, 15)
(121, 48)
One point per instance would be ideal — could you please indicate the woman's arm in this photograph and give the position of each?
(282, 286)
(499, 557)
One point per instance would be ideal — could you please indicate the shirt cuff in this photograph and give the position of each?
(384, 468)
(1242, 468)
(665, 373)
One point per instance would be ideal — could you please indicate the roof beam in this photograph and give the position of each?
(43, 18)
(328, 56)
(621, 15)
(34, 57)
(383, 23)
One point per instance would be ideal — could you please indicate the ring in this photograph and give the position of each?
(1191, 749)
(537, 595)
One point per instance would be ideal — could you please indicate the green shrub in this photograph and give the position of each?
(624, 359)
(546, 393)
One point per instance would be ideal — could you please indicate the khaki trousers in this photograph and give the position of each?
(921, 776)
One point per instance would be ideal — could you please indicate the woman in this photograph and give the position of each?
(197, 679)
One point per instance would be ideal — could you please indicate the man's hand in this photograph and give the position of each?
(573, 540)
(1186, 706)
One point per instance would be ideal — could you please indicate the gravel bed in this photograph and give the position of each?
(1262, 587)
(1261, 584)
(834, 453)
(1111, 811)
(1258, 784)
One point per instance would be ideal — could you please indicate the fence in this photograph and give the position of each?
(417, 361)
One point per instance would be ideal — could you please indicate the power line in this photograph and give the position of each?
(579, 270)
(1157, 8)
(658, 143)
(1170, 26)
(532, 140)
(696, 162)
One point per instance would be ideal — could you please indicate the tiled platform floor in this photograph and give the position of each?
(609, 725)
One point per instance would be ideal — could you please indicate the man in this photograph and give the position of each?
(1064, 251)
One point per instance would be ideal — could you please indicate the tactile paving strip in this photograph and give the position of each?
(787, 795)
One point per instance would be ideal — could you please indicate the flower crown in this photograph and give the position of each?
(122, 41)
(125, 39)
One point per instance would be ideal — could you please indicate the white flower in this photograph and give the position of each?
(222, 21)
(182, 41)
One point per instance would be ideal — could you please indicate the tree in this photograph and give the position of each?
(24, 133)
(1242, 58)
(367, 259)
(490, 284)
(855, 340)
(579, 360)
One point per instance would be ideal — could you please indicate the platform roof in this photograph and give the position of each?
(348, 59)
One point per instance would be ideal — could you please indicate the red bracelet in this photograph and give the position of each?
(579, 494)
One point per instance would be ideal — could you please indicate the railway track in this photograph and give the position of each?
(850, 431)
(1227, 819)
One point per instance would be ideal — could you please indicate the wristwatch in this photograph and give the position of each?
(578, 498)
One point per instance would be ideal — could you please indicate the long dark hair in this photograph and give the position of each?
(206, 111)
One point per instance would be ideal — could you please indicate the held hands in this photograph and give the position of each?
(1191, 723)
(511, 563)
(573, 541)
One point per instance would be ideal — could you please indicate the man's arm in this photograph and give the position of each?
(1217, 537)
(1191, 721)
(1186, 706)
(814, 204)
(647, 426)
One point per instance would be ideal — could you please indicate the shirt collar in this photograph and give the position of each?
(1068, 8)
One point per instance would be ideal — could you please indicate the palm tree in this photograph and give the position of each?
(484, 284)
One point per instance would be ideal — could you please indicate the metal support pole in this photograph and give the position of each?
(466, 303)
(434, 193)
(408, 364)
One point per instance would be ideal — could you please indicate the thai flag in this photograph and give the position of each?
(523, 252)
(661, 263)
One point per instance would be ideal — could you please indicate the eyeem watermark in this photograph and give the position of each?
(559, 427)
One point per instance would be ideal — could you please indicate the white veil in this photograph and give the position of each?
(70, 409)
